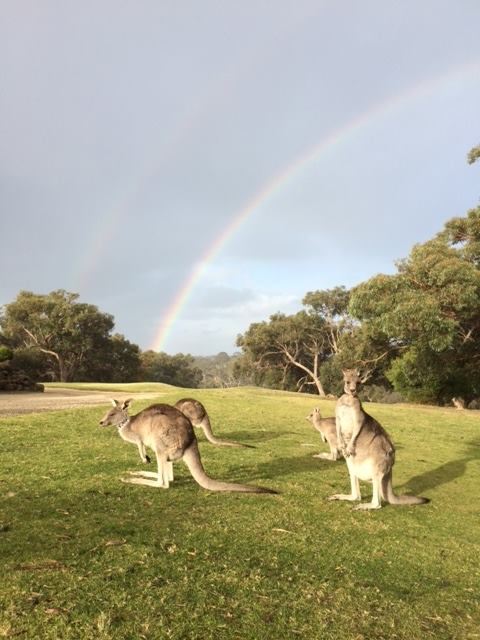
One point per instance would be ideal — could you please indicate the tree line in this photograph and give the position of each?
(55, 337)
(415, 334)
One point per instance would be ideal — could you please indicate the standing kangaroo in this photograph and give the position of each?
(328, 432)
(198, 416)
(368, 450)
(169, 433)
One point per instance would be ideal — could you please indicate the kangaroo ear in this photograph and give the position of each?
(114, 402)
(126, 403)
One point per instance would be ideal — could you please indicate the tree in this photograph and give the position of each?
(178, 370)
(464, 235)
(310, 347)
(429, 311)
(64, 330)
(118, 361)
(330, 306)
(350, 343)
(218, 370)
(286, 343)
(473, 154)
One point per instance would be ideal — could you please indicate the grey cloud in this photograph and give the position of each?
(130, 142)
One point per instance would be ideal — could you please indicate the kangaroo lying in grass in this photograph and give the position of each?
(368, 450)
(328, 431)
(198, 416)
(169, 433)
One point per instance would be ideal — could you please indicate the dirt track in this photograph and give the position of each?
(21, 402)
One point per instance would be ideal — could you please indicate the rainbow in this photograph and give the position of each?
(289, 173)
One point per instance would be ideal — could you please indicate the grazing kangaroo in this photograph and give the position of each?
(368, 450)
(198, 416)
(328, 432)
(170, 434)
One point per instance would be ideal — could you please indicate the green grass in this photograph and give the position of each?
(87, 557)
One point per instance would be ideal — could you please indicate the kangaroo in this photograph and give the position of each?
(169, 433)
(198, 416)
(458, 403)
(367, 448)
(328, 432)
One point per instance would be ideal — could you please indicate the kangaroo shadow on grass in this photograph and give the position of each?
(244, 437)
(295, 464)
(443, 474)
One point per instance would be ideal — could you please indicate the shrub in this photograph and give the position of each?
(5, 354)
(377, 393)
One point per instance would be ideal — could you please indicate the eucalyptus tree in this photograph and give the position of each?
(178, 370)
(295, 344)
(430, 310)
(66, 331)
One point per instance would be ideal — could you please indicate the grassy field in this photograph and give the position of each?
(130, 387)
(85, 556)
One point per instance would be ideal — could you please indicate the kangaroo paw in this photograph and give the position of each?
(144, 474)
(148, 483)
(366, 506)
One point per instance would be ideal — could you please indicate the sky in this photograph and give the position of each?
(194, 167)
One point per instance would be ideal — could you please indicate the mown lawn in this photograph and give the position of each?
(85, 556)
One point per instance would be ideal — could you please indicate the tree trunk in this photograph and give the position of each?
(321, 390)
(312, 374)
(63, 369)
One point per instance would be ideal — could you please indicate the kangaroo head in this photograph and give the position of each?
(315, 412)
(351, 378)
(117, 415)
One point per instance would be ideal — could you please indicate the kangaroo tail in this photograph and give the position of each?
(192, 459)
(392, 498)
(207, 430)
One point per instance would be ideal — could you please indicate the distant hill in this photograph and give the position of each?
(217, 370)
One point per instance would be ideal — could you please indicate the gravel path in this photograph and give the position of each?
(21, 402)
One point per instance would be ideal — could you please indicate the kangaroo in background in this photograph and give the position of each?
(368, 450)
(169, 433)
(328, 432)
(458, 403)
(198, 416)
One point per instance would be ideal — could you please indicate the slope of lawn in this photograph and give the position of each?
(85, 556)
(127, 387)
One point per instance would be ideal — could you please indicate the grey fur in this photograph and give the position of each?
(198, 416)
(169, 433)
(327, 429)
(368, 450)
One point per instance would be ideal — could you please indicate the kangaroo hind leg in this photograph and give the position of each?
(377, 493)
(354, 485)
(162, 477)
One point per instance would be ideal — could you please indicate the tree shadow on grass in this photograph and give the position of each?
(443, 474)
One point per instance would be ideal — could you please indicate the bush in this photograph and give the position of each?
(5, 354)
(377, 393)
(33, 363)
